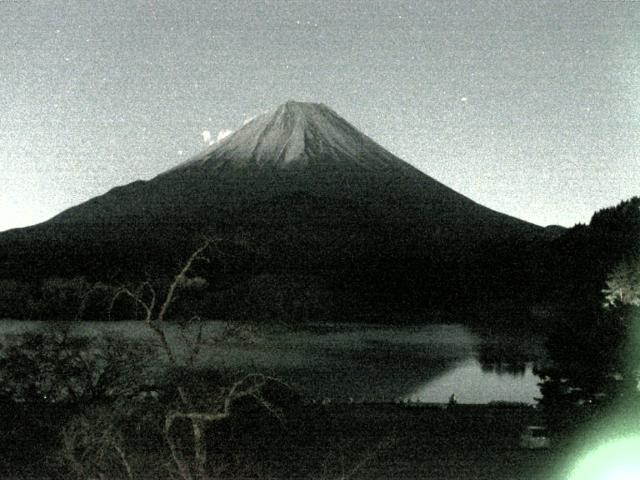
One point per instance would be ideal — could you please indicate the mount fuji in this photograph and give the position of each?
(300, 188)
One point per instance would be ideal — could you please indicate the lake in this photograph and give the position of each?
(354, 362)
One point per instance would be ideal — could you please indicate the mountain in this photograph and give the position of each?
(297, 189)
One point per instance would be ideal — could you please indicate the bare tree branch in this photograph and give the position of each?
(136, 298)
(197, 344)
(196, 255)
(249, 386)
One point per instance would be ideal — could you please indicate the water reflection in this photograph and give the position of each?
(515, 369)
(505, 354)
(472, 382)
(500, 370)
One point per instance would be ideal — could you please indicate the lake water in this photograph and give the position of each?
(349, 362)
(471, 383)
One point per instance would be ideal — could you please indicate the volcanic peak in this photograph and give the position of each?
(296, 135)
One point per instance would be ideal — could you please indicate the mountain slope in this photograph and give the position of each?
(302, 187)
(299, 147)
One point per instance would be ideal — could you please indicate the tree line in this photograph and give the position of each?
(593, 350)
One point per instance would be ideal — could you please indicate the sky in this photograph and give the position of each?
(530, 108)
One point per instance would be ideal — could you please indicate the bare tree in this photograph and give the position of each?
(155, 310)
(250, 386)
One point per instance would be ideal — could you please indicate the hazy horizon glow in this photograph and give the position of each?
(529, 108)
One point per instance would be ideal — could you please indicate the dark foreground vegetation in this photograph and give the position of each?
(108, 408)
(362, 441)
(75, 408)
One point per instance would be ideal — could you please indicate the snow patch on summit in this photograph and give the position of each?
(222, 134)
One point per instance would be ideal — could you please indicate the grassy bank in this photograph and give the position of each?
(399, 442)
(355, 441)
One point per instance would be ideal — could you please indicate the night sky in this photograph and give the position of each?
(530, 108)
